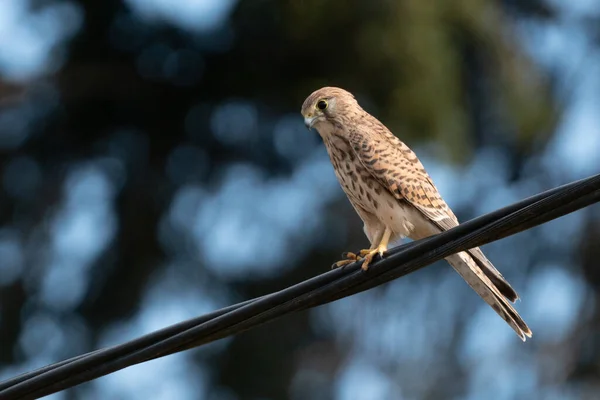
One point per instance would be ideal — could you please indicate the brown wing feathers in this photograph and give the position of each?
(397, 167)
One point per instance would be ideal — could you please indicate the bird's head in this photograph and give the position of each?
(326, 107)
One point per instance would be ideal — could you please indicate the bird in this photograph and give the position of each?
(394, 196)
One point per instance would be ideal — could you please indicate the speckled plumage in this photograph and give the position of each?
(393, 194)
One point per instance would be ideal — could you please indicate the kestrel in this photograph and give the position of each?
(393, 194)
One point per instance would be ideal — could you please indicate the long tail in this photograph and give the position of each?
(464, 264)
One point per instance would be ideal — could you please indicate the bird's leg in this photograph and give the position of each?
(367, 255)
(375, 240)
(350, 257)
(379, 246)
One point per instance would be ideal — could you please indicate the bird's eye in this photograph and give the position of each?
(322, 105)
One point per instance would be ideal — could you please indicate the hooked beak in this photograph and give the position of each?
(309, 122)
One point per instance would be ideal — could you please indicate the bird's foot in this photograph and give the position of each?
(349, 258)
(367, 255)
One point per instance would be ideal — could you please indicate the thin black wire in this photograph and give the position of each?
(319, 290)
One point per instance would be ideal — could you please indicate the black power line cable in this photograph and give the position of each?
(316, 291)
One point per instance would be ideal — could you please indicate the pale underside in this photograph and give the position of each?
(375, 205)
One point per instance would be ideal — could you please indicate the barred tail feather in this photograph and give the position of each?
(464, 264)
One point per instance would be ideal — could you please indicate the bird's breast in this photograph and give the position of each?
(366, 193)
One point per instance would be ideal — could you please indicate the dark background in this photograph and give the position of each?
(154, 166)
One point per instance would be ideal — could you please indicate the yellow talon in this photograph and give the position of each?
(365, 252)
(349, 258)
(341, 263)
(366, 255)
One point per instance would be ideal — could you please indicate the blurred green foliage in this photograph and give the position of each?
(416, 61)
